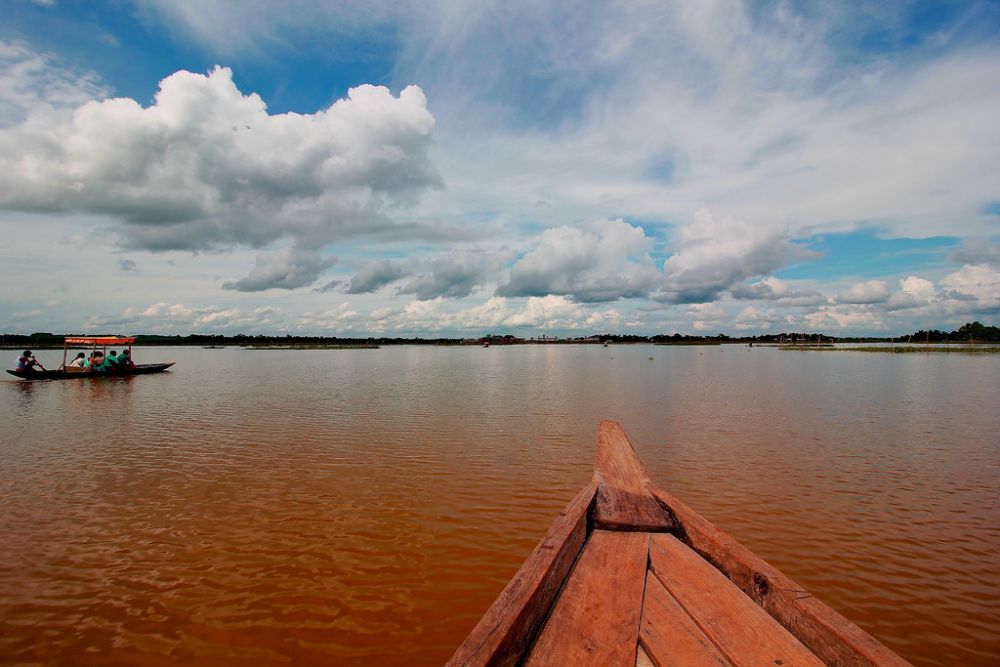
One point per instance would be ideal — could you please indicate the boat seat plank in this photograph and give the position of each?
(624, 501)
(504, 633)
(596, 618)
(833, 638)
(742, 630)
(669, 636)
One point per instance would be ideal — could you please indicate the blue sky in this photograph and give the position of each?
(463, 168)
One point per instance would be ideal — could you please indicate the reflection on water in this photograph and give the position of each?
(365, 506)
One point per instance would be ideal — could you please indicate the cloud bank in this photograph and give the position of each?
(284, 269)
(206, 166)
(375, 275)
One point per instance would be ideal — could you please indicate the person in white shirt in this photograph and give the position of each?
(26, 362)
(80, 361)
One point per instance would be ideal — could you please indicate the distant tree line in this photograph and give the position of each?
(970, 332)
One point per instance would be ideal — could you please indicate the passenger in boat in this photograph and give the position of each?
(80, 361)
(26, 362)
(110, 363)
(124, 361)
(95, 361)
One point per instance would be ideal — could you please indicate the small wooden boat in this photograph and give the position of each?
(629, 575)
(65, 372)
(69, 373)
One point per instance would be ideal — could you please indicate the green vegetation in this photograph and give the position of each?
(970, 332)
(313, 347)
(903, 349)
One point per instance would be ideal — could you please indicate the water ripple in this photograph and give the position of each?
(364, 507)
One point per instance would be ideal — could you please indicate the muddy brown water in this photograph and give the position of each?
(366, 506)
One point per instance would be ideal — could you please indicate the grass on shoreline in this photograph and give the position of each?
(906, 349)
(312, 347)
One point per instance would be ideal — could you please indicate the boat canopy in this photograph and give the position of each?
(99, 340)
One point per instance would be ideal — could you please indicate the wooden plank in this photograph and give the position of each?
(507, 629)
(829, 635)
(642, 660)
(742, 631)
(596, 618)
(624, 501)
(669, 636)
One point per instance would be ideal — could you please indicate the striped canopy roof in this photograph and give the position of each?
(99, 340)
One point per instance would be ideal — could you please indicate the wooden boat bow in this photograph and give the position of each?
(624, 498)
(629, 575)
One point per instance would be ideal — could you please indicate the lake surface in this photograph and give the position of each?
(366, 506)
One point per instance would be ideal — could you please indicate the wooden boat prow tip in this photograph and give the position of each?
(629, 575)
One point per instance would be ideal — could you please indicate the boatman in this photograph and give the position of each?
(124, 361)
(26, 362)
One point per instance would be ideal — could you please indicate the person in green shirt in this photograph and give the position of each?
(96, 360)
(110, 364)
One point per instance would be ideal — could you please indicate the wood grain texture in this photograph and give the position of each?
(742, 631)
(505, 632)
(669, 636)
(642, 660)
(596, 618)
(829, 635)
(624, 501)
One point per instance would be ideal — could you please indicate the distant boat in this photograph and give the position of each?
(629, 575)
(65, 372)
(213, 347)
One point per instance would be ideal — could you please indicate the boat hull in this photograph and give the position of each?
(139, 369)
(629, 575)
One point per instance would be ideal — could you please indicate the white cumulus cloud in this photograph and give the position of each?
(913, 292)
(207, 166)
(706, 316)
(609, 260)
(773, 289)
(870, 291)
(753, 318)
(714, 254)
(982, 282)
(454, 275)
(177, 318)
(538, 313)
